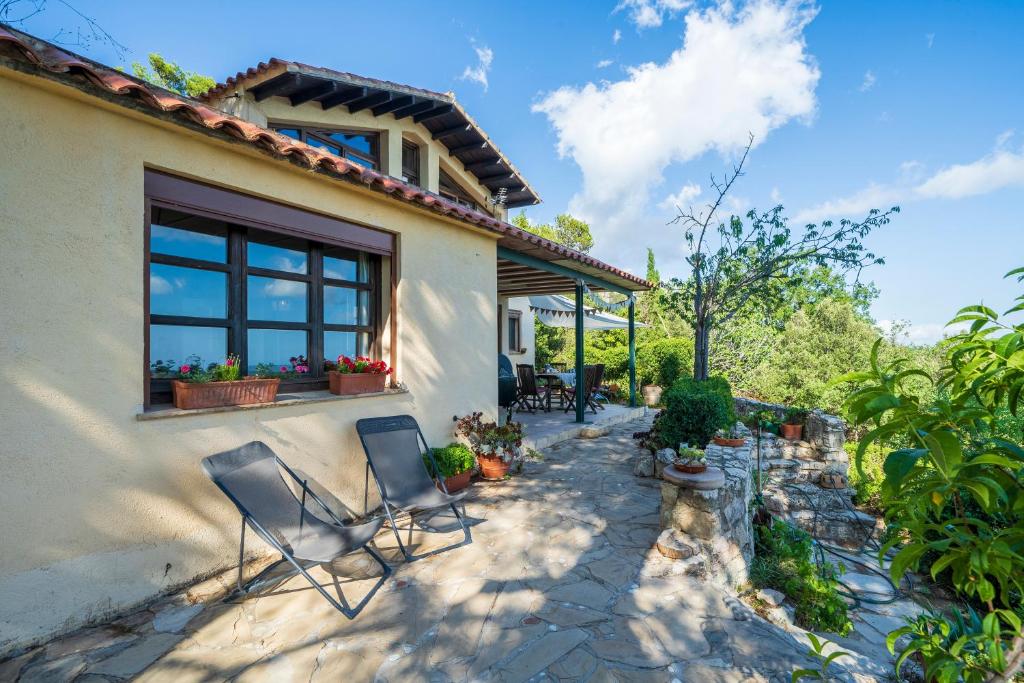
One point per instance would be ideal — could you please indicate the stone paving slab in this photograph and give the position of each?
(561, 583)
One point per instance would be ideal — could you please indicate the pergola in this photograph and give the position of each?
(528, 265)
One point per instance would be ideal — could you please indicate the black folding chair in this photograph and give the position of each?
(394, 448)
(586, 388)
(251, 477)
(531, 395)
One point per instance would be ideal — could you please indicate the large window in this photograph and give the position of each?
(358, 146)
(217, 287)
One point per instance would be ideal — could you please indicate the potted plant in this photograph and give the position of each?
(495, 447)
(359, 376)
(218, 384)
(454, 463)
(731, 438)
(793, 423)
(691, 461)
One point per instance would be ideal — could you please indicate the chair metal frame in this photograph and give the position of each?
(256, 583)
(376, 425)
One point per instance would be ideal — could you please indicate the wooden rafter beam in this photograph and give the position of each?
(414, 108)
(455, 130)
(393, 104)
(312, 92)
(343, 97)
(371, 100)
(462, 149)
(287, 82)
(432, 113)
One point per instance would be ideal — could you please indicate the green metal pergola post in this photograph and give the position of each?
(632, 355)
(581, 400)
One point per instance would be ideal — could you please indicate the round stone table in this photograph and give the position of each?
(708, 480)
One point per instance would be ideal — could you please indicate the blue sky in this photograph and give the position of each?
(855, 104)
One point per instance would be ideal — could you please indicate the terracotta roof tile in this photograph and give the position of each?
(48, 57)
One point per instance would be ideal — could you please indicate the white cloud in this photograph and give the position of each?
(604, 63)
(624, 134)
(682, 199)
(478, 73)
(920, 333)
(159, 285)
(651, 13)
(776, 196)
(616, 37)
(930, 37)
(869, 81)
(997, 170)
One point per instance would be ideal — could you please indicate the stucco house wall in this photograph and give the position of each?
(101, 510)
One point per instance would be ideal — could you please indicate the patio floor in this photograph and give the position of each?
(560, 583)
(544, 429)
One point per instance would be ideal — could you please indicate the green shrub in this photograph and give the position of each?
(664, 361)
(453, 459)
(694, 411)
(783, 561)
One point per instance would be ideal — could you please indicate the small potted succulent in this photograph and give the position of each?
(360, 375)
(195, 385)
(691, 460)
(455, 463)
(793, 423)
(496, 447)
(731, 438)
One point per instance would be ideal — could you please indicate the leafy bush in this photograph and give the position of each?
(653, 439)
(694, 411)
(455, 458)
(783, 561)
(663, 361)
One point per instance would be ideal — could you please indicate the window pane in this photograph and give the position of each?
(275, 347)
(174, 290)
(363, 143)
(345, 344)
(198, 245)
(333, 149)
(344, 306)
(362, 162)
(345, 264)
(290, 132)
(273, 299)
(278, 256)
(173, 344)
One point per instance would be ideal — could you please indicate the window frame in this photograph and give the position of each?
(411, 173)
(515, 329)
(323, 135)
(455, 191)
(157, 391)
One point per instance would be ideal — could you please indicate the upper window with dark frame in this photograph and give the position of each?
(217, 287)
(515, 331)
(411, 163)
(449, 188)
(358, 146)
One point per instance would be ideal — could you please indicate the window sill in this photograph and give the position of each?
(294, 399)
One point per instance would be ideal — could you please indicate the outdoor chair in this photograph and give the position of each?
(251, 477)
(531, 395)
(591, 374)
(394, 448)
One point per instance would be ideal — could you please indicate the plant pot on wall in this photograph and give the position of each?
(792, 432)
(242, 392)
(492, 466)
(692, 467)
(652, 394)
(728, 443)
(349, 383)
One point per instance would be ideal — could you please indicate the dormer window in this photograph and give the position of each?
(354, 145)
(411, 163)
(450, 189)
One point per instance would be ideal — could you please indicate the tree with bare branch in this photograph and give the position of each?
(739, 264)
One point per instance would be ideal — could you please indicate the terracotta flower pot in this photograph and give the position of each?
(792, 432)
(729, 443)
(692, 468)
(652, 394)
(492, 466)
(458, 482)
(242, 392)
(349, 383)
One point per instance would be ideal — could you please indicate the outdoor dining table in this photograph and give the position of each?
(556, 380)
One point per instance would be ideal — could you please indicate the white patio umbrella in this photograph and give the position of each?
(560, 311)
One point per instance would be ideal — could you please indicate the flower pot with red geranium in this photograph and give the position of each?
(195, 385)
(361, 375)
(498, 448)
(793, 423)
